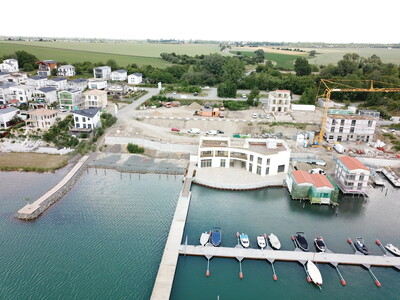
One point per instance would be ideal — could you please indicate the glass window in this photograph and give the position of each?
(258, 170)
(250, 167)
(266, 170)
(223, 162)
(268, 161)
(259, 160)
(281, 168)
(251, 157)
(206, 163)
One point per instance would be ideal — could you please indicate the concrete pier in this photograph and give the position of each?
(298, 255)
(166, 272)
(33, 210)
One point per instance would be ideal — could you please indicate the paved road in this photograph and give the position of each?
(212, 95)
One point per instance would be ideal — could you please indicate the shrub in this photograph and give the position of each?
(133, 148)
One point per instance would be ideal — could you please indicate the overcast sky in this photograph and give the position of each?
(340, 21)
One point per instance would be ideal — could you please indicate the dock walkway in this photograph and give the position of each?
(166, 272)
(298, 256)
(33, 210)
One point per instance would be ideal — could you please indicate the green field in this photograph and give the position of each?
(281, 60)
(122, 53)
(333, 55)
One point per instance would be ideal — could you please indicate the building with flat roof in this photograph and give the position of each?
(70, 99)
(351, 175)
(278, 101)
(42, 118)
(66, 71)
(103, 72)
(95, 98)
(6, 115)
(349, 128)
(263, 157)
(119, 75)
(135, 78)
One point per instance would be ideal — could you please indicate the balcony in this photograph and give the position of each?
(238, 155)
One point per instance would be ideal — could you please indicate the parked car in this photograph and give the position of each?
(220, 132)
(244, 96)
(262, 116)
(267, 116)
(212, 132)
(175, 129)
(255, 116)
(195, 94)
(63, 110)
(173, 93)
(194, 130)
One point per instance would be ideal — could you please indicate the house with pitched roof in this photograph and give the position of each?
(317, 188)
(44, 96)
(60, 83)
(37, 81)
(42, 118)
(119, 75)
(87, 119)
(95, 98)
(45, 67)
(135, 78)
(66, 70)
(351, 175)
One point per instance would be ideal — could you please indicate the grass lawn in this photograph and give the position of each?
(31, 161)
(282, 60)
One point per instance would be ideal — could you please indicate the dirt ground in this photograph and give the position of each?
(26, 161)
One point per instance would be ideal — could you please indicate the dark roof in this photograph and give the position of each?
(90, 112)
(79, 80)
(4, 73)
(120, 71)
(38, 77)
(8, 109)
(6, 84)
(137, 74)
(47, 89)
(58, 78)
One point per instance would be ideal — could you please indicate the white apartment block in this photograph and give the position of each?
(78, 84)
(23, 93)
(349, 128)
(103, 72)
(278, 101)
(42, 118)
(60, 83)
(45, 96)
(37, 81)
(9, 65)
(119, 75)
(66, 71)
(264, 157)
(351, 175)
(95, 98)
(70, 99)
(135, 78)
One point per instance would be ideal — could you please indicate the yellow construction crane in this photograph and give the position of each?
(339, 85)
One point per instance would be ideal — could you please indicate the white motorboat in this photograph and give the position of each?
(274, 241)
(314, 273)
(393, 249)
(244, 240)
(204, 238)
(261, 241)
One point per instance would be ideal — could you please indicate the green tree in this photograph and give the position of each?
(24, 57)
(213, 63)
(302, 67)
(308, 96)
(227, 89)
(27, 67)
(233, 69)
(313, 53)
(54, 72)
(112, 64)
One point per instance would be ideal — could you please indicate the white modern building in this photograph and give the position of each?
(5, 91)
(6, 115)
(97, 84)
(22, 93)
(45, 96)
(135, 78)
(278, 101)
(103, 72)
(18, 78)
(349, 128)
(95, 98)
(78, 84)
(351, 175)
(70, 99)
(9, 65)
(87, 119)
(119, 75)
(66, 71)
(37, 81)
(42, 118)
(60, 83)
(264, 157)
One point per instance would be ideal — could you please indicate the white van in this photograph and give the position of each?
(339, 148)
(194, 130)
(212, 132)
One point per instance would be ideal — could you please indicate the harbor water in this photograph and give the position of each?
(105, 239)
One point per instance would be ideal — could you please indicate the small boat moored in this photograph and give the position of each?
(393, 249)
(314, 273)
(204, 238)
(274, 241)
(244, 240)
(320, 244)
(261, 241)
(216, 236)
(360, 246)
(301, 242)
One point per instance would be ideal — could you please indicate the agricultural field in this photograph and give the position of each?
(122, 53)
(333, 55)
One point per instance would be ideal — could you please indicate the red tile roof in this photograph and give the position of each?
(352, 163)
(321, 181)
(302, 177)
(318, 180)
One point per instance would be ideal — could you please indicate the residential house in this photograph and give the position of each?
(264, 157)
(117, 89)
(103, 72)
(60, 83)
(135, 78)
(95, 98)
(78, 84)
(6, 115)
(349, 128)
(9, 65)
(351, 175)
(42, 118)
(97, 84)
(44, 96)
(18, 78)
(317, 188)
(22, 93)
(37, 81)
(87, 119)
(45, 67)
(119, 75)
(278, 101)
(70, 99)
(5, 92)
(66, 71)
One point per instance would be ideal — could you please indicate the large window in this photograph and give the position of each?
(222, 163)
(205, 163)
(251, 157)
(267, 171)
(281, 168)
(259, 160)
(268, 161)
(258, 170)
(250, 167)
